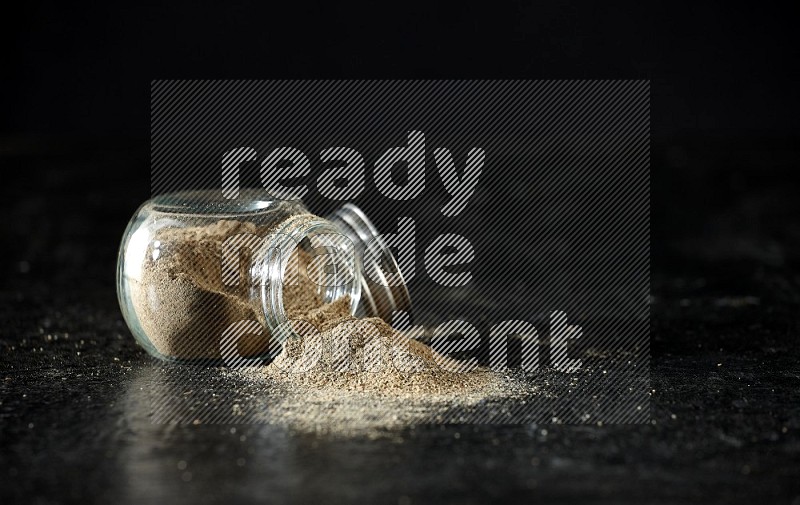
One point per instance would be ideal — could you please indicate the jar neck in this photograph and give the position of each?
(379, 297)
(341, 275)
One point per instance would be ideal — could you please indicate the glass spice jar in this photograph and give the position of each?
(192, 264)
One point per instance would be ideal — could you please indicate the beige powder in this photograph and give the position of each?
(339, 373)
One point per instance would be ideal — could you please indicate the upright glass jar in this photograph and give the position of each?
(193, 264)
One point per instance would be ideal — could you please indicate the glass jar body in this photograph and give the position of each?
(193, 265)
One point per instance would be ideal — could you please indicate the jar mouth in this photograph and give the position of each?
(297, 232)
(380, 297)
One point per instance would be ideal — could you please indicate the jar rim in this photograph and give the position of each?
(211, 203)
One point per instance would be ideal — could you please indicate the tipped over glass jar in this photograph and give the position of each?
(192, 265)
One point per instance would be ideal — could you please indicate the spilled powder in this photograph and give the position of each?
(367, 355)
(340, 375)
(347, 376)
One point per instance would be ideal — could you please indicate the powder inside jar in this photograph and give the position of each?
(184, 306)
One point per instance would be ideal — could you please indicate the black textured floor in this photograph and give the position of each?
(725, 368)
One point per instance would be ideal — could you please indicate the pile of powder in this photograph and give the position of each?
(339, 352)
(356, 377)
(348, 376)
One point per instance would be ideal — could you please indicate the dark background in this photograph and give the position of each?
(723, 84)
(74, 145)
